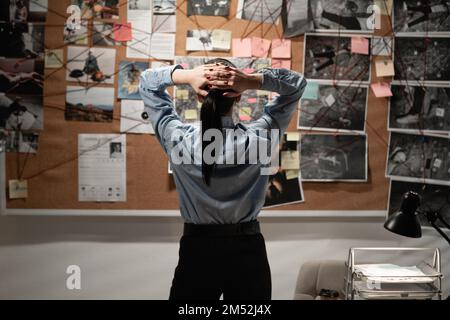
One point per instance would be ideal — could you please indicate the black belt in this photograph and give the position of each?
(245, 228)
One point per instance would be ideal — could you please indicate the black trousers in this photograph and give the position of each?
(222, 259)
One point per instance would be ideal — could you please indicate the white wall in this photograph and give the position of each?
(134, 258)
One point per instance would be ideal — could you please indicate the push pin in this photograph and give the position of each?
(144, 115)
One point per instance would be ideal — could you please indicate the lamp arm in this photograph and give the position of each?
(442, 233)
(445, 223)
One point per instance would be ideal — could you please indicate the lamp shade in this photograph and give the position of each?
(405, 221)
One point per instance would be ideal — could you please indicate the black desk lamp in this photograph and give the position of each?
(405, 222)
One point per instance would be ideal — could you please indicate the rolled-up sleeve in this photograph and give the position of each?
(290, 86)
(158, 103)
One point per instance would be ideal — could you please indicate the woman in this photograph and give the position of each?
(222, 250)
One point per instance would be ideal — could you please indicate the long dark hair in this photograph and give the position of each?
(214, 106)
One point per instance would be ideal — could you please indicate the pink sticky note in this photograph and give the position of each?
(260, 47)
(281, 48)
(360, 45)
(248, 70)
(281, 63)
(242, 48)
(122, 32)
(381, 89)
(244, 117)
(252, 100)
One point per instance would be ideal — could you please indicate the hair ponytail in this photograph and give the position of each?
(214, 106)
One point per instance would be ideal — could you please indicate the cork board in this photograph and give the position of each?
(52, 172)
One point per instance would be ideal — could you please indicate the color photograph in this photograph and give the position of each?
(129, 77)
(89, 104)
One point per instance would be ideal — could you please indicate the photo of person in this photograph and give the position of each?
(90, 64)
(22, 142)
(415, 108)
(23, 11)
(259, 10)
(421, 16)
(329, 57)
(99, 9)
(93, 104)
(24, 40)
(208, 8)
(347, 113)
(422, 58)
(164, 6)
(433, 198)
(341, 14)
(115, 150)
(22, 76)
(21, 112)
(330, 157)
(129, 77)
(419, 158)
(77, 36)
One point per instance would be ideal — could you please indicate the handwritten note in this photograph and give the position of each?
(360, 45)
(18, 189)
(122, 32)
(281, 48)
(384, 68)
(381, 89)
(242, 48)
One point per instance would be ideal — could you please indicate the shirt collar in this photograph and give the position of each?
(227, 122)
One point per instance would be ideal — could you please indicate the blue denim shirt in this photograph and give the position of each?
(237, 191)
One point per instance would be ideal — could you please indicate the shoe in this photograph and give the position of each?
(408, 119)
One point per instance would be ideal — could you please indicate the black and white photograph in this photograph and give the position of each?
(140, 4)
(296, 17)
(331, 157)
(103, 34)
(129, 77)
(248, 109)
(338, 108)
(426, 16)
(22, 142)
(25, 40)
(22, 76)
(208, 40)
(342, 15)
(208, 8)
(329, 57)
(21, 112)
(267, 11)
(89, 104)
(164, 6)
(115, 150)
(433, 198)
(422, 58)
(23, 11)
(419, 108)
(77, 35)
(285, 186)
(90, 64)
(99, 9)
(419, 158)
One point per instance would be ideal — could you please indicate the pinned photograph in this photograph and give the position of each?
(431, 16)
(139, 4)
(23, 11)
(259, 10)
(206, 40)
(337, 108)
(89, 104)
(21, 112)
(330, 157)
(99, 9)
(419, 158)
(297, 19)
(248, 109)
(329, 57)
(115, 150)
(415, 108)
(22, 76)
(77, 35)
(24, 40)
(89, 64)
(342, 15)
(22, 142)
(129, 77)
(433, 198)
(422, 58)
(208, 8)
(103, 34)
(164, 6)
(285, 186)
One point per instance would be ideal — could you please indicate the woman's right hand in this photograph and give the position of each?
(239, 81)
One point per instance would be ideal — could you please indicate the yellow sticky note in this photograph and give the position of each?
(183, 94)
(290, 160)
(262, 93)
(199, 104)
(190, 114)
(291, 174)
(18, 189)
(292, 136)
(384, 68)
(245, 114)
